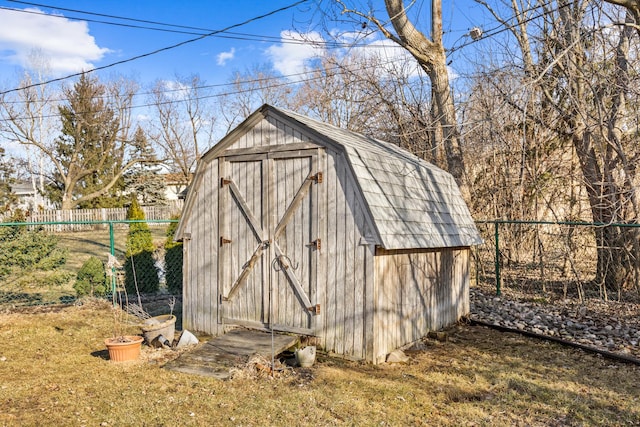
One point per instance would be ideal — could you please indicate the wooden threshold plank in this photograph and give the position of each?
(216, 357)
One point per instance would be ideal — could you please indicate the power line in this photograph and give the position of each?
(227, 35)
(280, 83)
(502, 27)
(157, 51)
(181, 29)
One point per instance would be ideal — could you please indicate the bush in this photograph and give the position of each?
(91, 279)
(173, 260)
(140, 269)
(24, 249)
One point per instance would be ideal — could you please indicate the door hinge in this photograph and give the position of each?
(317, 244)
(224, 240)
(224, 181)
(317, 178)
(315, 309)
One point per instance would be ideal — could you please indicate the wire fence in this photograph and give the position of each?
(42, 266)
(566, 260)
(551, 260)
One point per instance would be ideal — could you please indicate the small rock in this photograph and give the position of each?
(397, 356)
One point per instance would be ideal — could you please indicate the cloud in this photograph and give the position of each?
(65, 46)
(223, 57)
(297, 49)
(175, 90)
(390, 57)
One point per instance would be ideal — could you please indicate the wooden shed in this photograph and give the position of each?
(298, 226)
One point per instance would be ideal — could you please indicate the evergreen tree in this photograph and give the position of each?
(91, 155)
(7, 198)
(144, 179)
(92, 278)
(173, 260)
(140, 267)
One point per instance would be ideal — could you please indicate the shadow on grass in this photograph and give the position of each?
(539, 382)
(28, 299)
(101, 354)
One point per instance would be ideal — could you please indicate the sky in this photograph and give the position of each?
(75, 35)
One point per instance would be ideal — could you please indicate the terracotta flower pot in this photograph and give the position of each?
(124, 348)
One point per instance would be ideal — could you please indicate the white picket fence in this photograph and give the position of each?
(68, 220)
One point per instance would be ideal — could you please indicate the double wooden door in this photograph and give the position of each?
(269, 242)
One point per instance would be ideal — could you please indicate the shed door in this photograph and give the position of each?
(269, 240)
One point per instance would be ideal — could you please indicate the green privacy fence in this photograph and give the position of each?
(565, 259)
(45, 263)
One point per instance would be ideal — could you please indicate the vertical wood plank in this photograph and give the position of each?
(223, 262)
(269, 202)
(330, 252)
(320, 258)
(349, 271)
(341, 213)
(359, 268)
(370, 316)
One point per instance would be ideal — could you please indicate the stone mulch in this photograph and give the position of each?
(609, 326)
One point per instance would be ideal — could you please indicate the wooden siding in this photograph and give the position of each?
(268, 132)
(345, 259)
(418, 292)
(371, 301)
(201, 245)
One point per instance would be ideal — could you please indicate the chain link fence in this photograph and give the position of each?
(43, 263)
(565, 260)
(57, 262)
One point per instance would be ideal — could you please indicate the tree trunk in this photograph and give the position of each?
(432, 59)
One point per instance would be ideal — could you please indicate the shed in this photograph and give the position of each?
(298, 226)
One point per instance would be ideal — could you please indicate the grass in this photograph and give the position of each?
(84, 244)
(54, 372)
(81, 245)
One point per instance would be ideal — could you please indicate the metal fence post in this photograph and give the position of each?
(112, 249)
(497, 260)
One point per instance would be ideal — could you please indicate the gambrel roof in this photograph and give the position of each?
(412, 203)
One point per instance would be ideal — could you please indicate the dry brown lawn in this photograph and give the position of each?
(54, 371)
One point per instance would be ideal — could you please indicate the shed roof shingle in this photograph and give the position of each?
(414, 204)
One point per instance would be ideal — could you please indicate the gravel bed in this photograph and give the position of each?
(609, 326)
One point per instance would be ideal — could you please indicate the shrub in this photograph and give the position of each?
(91, 279)
(24, 249)
(139, 266)
(173, 260)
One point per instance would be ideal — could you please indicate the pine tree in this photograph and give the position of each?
(7, 198)
(89, 155)
(144, 179)
(173, 260)
(141, 273)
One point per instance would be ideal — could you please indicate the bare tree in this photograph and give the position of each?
(184, 122)
(89, 154)
(257, 85)
(430, 54)
(580, 89)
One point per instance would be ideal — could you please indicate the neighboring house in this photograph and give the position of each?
(29, 199)
(176, 186)
(297, 226)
